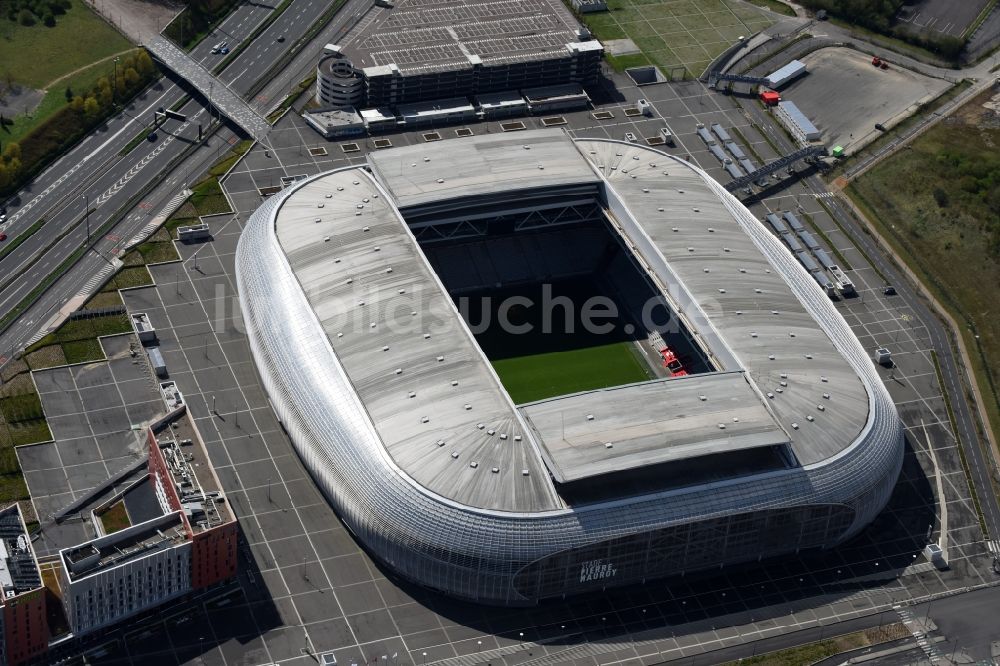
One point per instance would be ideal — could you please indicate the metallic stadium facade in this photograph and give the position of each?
(381, 458)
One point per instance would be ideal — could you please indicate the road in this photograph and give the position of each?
(967, 621)
(94, 169)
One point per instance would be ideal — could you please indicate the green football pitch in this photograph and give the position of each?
(549, 361)
(541, 376)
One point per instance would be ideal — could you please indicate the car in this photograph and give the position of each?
(630, 137)
(151, 137)
(3, 217)
(280, 38)
(3, 237)
(221, 47)
(889, 290)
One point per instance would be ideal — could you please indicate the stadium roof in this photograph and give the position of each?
(745, 285)
(432, 396)
(535, 159)
(421, 377)
(628, 427)
(415, 35)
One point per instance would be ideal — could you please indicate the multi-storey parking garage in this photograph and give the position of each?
(410, 51)
(783, 440)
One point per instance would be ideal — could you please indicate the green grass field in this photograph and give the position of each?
(537, 364)
(677, 34)
(36, 55)
(541, 376)
(74, 54)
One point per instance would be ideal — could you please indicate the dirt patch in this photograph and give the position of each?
(139, 20)
(18, 99)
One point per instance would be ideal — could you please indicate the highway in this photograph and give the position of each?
(95, 170)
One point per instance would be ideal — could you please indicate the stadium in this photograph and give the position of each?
(724, 412)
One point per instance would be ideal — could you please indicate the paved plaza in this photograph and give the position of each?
(93, 410)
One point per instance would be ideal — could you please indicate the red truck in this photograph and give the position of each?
(672, 363)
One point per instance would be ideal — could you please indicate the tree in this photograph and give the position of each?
(68, 94)
(941, 197)
(12, 151)
(77, 103)
(91, 107)
(49, 20)
(25, 17)
(145, 63)
(131, 77)
(5, 177)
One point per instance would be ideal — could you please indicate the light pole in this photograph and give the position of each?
(114, 89)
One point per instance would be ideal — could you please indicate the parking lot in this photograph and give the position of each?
(91, 409)
(845, 95)
(307, 588)
(940, 17)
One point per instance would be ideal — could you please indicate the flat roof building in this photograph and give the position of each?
(411, 52)
(796, 122)
(24, 634)
(786, 440)
(336, 122)
(786, 74)
(169, 533)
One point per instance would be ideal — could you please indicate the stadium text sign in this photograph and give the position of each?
(596, 570)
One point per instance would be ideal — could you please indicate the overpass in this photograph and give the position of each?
(807, 153)
(715, 78)
(218, 93)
